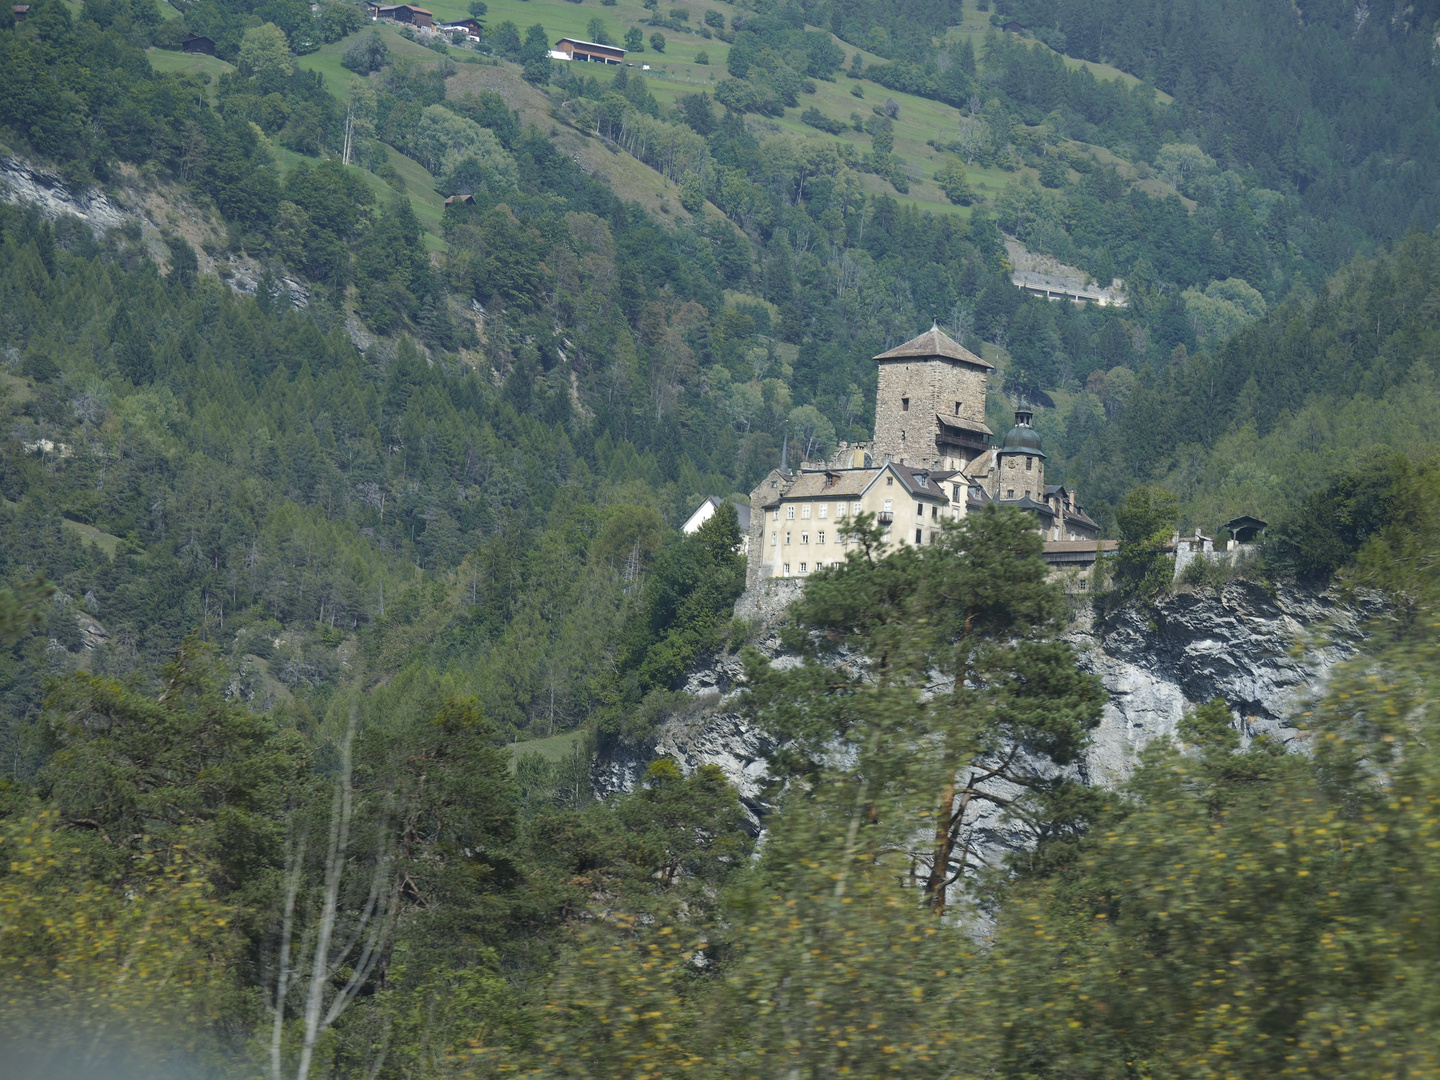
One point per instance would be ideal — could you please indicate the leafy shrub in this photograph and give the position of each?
(952, 180)
(1053, 171)
(816, 119)
(1147, 520)
(366, 54)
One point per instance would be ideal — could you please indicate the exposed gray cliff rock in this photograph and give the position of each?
(155, 211)
(1237, 644)
(23, 183)
(1155, 662)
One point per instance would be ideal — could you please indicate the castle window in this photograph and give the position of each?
(919, 536)
(824, 509)
(1010, 494)
(919, 509)
(934, 511)
(821, 538)
(802, 568)
(774, 539)
(889, 480)
(787, 538)
(857, 508)
(804, 538)
(956, 496)
(957, 408)
(787, 569)
(790, 513)
(904, 404)
(805, 511)
(1029, 464)
(887, 506)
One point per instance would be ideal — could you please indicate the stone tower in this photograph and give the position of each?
(1020, 462)
(930, 404)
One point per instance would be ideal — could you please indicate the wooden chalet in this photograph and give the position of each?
(401, 13)
(20, 11)
(196, 43)
(471, 28)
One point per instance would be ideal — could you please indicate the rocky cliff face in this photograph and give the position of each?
(1238, 644)
(1155, 662)
(154, 209)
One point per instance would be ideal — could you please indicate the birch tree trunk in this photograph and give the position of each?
(329, 948)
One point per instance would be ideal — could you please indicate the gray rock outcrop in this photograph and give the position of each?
(21, 182)
(1238, 644)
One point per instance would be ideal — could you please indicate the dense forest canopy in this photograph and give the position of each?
(342, 458)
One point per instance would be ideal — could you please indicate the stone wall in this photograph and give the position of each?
(1013, 476)
(932, 386)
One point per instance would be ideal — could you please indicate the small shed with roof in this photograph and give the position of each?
(1244, 530)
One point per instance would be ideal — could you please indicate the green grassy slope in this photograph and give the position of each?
(209, 68)
(555, 748)
(672, 75)
(675, 74)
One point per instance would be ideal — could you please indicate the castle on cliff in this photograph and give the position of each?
(932, 459)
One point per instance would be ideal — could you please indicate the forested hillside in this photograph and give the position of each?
(339, 535)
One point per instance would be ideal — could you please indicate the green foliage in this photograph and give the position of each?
(951, 178)
(534, 55)
(19, 608)
(1146, 520)
(597, 32)
(1325, 532)
(974, 608)
(139, 972)
(466, 538)
(265, 55)
(816, 119)
(366, 53)
(657, 42)
(184, 768)
(1222, 309)
(680, 613)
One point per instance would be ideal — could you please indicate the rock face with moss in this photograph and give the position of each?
(1156, 661)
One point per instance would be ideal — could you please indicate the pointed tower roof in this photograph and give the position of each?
(935, 343)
